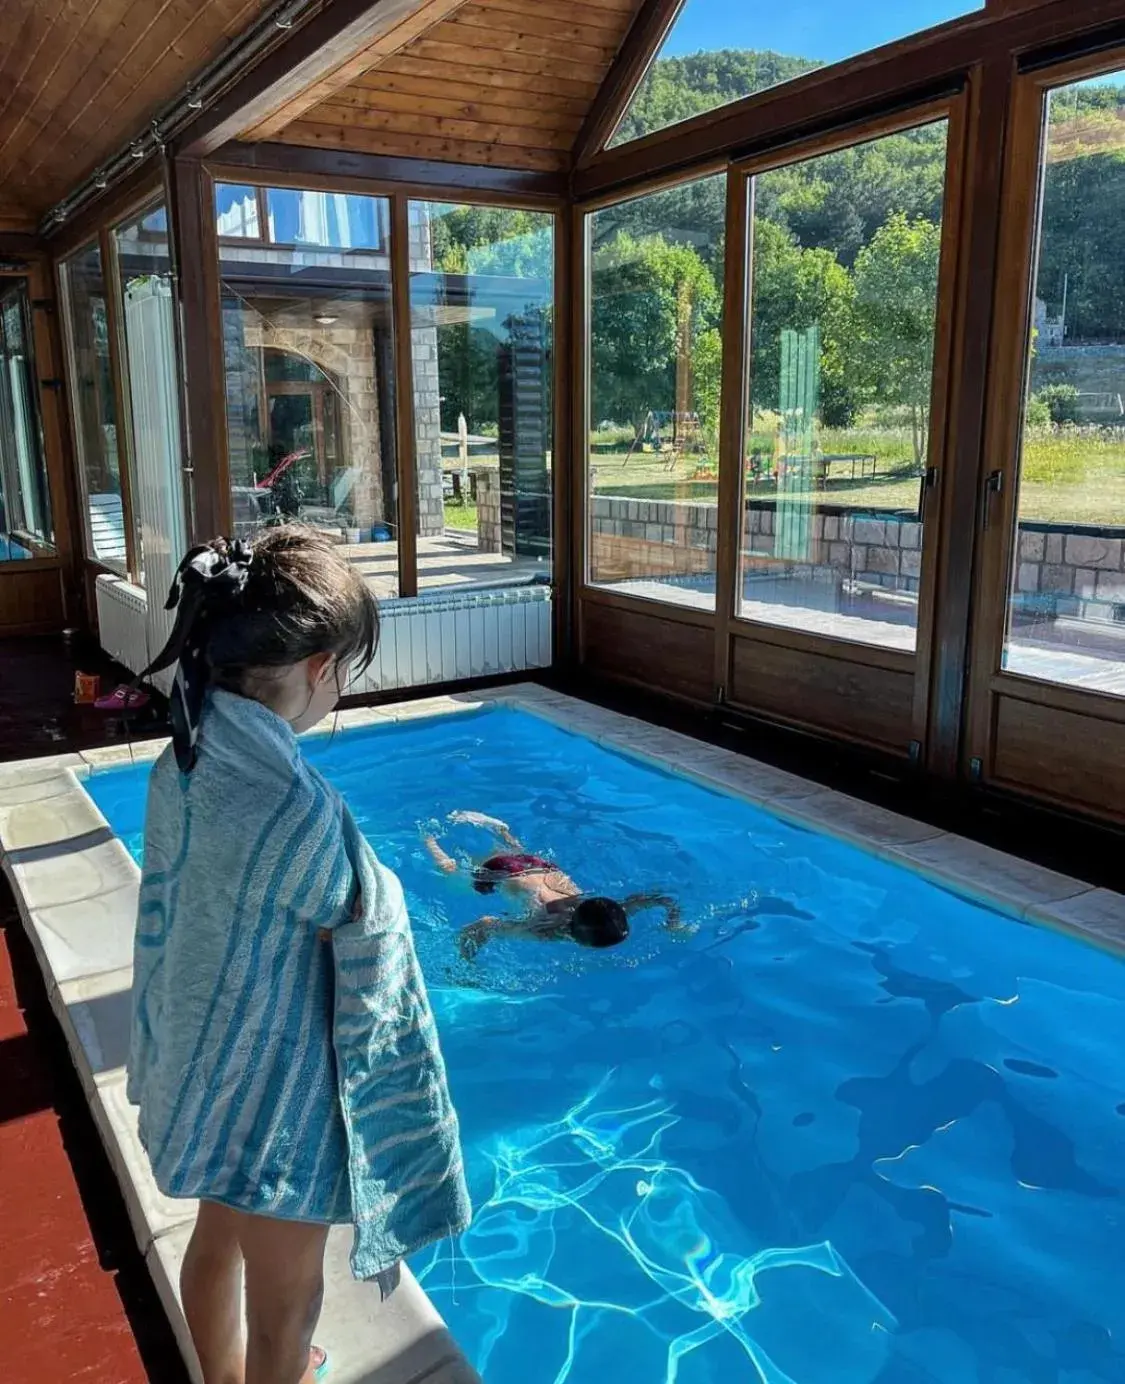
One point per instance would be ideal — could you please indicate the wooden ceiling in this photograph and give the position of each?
(78, 78)
(497, 82)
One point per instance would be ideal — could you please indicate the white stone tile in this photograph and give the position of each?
(48, 816)
(431, 706)
(1004, 880)
(163, 1260)
(402, 1341)
(750, 778)
(95, 1014)
(119, 756)
(32, 770)
(354, 719)
(36, 788)
(1098, 915)
(70, 876)
(150, 1212)
(91, 936)
(856, 820)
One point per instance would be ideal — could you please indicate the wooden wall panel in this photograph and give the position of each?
(78, 80)
(31, 602)
(660, 653)
(497, 82)
(835, 696)
(1058, 755)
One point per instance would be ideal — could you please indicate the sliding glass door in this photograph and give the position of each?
(1048, 688)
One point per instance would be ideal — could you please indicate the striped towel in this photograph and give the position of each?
(277, 1072)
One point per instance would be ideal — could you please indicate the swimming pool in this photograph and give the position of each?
(853, 1130)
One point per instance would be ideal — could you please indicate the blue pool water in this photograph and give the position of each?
(853, 1130)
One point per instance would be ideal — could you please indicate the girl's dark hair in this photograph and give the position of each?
(299, 597)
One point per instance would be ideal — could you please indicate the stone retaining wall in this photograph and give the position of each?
(1061, 570)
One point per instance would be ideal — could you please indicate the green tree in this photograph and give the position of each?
(896, 281)
(793, 289)
(653, 305)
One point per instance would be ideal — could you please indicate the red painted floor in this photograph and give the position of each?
(76, 1302)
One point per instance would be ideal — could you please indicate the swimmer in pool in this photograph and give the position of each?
(557, 909)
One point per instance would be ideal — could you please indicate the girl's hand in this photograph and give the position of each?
(477, 819)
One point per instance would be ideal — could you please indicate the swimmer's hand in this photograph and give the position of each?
(477, 819)
(474, 937)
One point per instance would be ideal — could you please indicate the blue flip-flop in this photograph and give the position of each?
(321, 1370)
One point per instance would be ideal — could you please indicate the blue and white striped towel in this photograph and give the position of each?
(277, 1072)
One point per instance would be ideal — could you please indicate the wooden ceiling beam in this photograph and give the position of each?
(341, 41)
(642, 43)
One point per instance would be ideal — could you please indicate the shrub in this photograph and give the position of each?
(1061, 401)
(1038, 413)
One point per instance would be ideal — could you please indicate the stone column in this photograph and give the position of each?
(427, 394)
(488, 511)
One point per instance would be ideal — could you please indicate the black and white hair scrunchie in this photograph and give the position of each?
(208, 582)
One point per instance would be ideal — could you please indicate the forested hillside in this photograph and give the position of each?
(849, 241)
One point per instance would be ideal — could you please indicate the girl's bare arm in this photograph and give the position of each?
(445, 863)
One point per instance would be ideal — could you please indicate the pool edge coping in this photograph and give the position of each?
(75, 830)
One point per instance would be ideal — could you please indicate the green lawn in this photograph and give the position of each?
(1069, 475)
(460, 515)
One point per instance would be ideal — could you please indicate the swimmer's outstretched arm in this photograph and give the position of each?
(476, 935)
(501, 830)
(536, 927)
(637, 903)
(445, 863)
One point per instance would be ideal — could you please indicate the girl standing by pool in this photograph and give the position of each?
(283, 1050)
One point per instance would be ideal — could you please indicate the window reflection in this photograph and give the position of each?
(1066, 616)
(25, 509)
(147, 315)
(844, 269)
(656, 284)
(481, 310)
(93, 408)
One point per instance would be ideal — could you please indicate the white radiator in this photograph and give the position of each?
(153, 394)
(425, 640)
(123, 622)
(472, 634)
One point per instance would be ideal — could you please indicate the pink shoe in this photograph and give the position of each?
(122, 699)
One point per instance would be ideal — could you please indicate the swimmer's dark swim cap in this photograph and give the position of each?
(599, 923)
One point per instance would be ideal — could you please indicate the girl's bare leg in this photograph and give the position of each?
(211, 1291)
(284, 1290)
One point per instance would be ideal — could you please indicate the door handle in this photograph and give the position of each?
(993, 485)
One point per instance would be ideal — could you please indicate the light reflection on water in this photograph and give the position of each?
(851, 1131)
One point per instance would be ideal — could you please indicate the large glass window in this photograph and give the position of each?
(718, 52)
(1066, 609)
(844, 266)
(100, 458)
(25, 506)
(481, 305)
(655, 377)
(309, 365)
(147, 317)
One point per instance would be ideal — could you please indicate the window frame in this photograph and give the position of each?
(582, 394)
(119, 356)
(399, 195)
(98, 241)
(989, 685)
(951, 110)
(42, 552)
